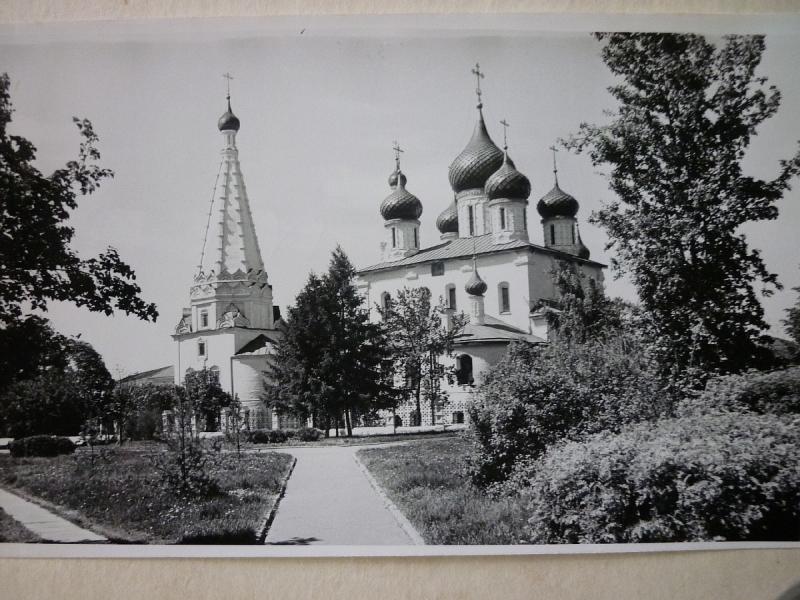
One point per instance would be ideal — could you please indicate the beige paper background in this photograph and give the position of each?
(732, 575)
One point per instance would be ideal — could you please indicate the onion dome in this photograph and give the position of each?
(557, 203)
(583, 251)
(400, 204)
(477, 161)
(228, 121)
(475, 286)
(397, 174)
(507, 182)
(447, 221)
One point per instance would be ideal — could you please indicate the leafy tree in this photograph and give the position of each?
(687, 112)
(418, 339)
(328, 363)
(206, 396)
(792, 320)
(27, 347)
(37, 264)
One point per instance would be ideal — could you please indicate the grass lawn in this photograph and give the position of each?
(425, 481)
(13, 532)
(122, 497)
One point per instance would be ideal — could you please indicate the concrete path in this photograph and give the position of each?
(329, 500)
(43, 523)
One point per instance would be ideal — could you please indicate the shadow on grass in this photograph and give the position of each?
(237, 537)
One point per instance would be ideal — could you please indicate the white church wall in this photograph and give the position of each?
(248, 385)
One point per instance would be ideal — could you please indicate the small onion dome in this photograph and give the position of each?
(557, 203)
(477, 161)
(507, 182)
(583, 251)
(475, 286)
(447, 221)
(401, 204)
(228, 121)
(398, 174)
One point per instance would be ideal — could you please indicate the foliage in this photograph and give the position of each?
(27, 347)
(687, 112)
(538, 395)
(37, 264)
(792, 321)
(775, 392)
(267, 436)
(718, 476)
(41, 445)
(418, 340)
(425, 480)
(307, 434)
(327, 364)
(125, 497)
(206, 396)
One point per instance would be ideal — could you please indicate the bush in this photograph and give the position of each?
(41, 445)
(267, 436)
(774, 392)
(718, 476)
(307, 434)
(539, 395)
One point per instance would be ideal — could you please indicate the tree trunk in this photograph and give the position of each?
(348, 422)
(337, 425)
(394, 420)
(418, 394)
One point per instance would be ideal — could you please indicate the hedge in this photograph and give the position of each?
(41, 445)
(717, 476)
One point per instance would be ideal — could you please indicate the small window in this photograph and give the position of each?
(525, 219)
(464, 369)
(502, 218)
(471, 214)
(573, 234)
(553, 234)
(505, 299)
(451, 297)
(416, 238)
(394, 238)
(458, 417)
(437, 268)
(204, 318)
(386, 300)
(201, 348)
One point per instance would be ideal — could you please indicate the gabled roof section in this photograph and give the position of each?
(261, 344)
(167, 372)
(463, 248)
(494, 330)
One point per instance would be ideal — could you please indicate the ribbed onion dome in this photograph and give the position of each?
(475, 286)
(228, 121)
(401, 204)
(447, 221)
(557, 203)
(507, 182)
(477, 161)
(397, 174)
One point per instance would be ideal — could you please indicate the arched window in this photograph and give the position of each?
(458, 417)
(502, 218)
(394, 238)
(525, 219)
(214, 373)
(504, 298)
(204, 318)
(464, 369)
(552, 234)
(471, 216)
(416, 238)
(450, 290)
(386, 300)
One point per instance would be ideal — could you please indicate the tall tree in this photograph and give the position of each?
(419, 339)
(688, 109)
(328, 363)
(792, 320)
(37, 264)
(206, 396)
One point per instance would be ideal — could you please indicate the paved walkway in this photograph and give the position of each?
(43, 523)
(329, 500)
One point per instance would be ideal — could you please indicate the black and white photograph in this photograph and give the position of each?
(398, 285)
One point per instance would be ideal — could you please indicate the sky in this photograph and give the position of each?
(320, 108)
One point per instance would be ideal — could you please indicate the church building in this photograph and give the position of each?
(485, 263)
(231, 325)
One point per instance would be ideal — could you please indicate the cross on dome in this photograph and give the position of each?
(397, 150)
(505, 125)
(228, 77)
(478, 76)
(555, 167)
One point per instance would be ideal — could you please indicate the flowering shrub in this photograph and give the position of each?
(41, 445)
(717, 476)
(539, 395)
(776, 392)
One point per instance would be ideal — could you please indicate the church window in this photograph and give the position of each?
(394, 238)
(553, 234)
(437, 268)
(573, 234)
(525, 219)
(471, 214)
(416, 238)
(451, 296)
(201, 348)
(386, 300)
(464, 369)
(502, 218)
(204, 318)
(505, 298)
